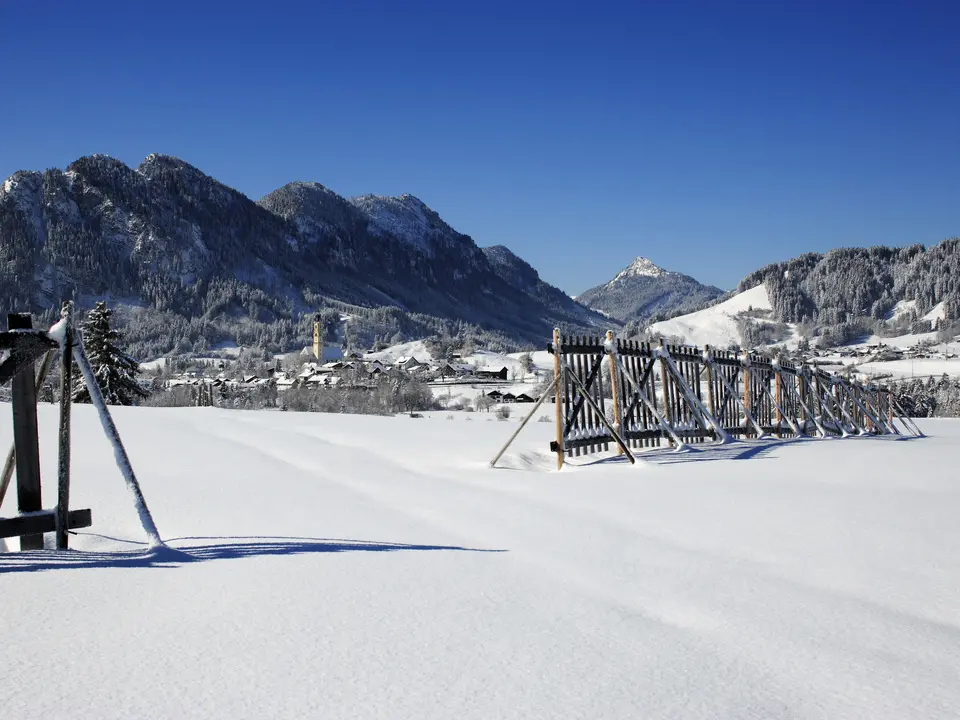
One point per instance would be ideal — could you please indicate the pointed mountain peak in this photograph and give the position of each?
(640, 267)
(155, 161)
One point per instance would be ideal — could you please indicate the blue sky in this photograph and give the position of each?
(713, 137)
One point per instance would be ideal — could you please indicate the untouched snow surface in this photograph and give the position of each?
(715, 326)
(338, 566)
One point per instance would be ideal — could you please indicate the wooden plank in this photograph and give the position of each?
(558, 397)
(666, 391)
(26, 437)
(63, 452)
(614, 387)
(44, 521)
(10, 462)
(25, 349)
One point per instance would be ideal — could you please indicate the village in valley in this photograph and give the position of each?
(477, 381)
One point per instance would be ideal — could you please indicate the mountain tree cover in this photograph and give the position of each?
(851, 285)
(115, 371)
(189, 263)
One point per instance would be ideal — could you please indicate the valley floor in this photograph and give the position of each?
(340, 566)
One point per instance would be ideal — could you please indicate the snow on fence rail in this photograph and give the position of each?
(640, 395)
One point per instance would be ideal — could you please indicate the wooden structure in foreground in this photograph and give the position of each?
(25, 346)
(20, 349)
(633, 395)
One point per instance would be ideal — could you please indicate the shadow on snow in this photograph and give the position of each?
(737, 450)
(225, 548)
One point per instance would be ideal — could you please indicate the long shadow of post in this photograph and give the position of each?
(226, 548)
(738, 450)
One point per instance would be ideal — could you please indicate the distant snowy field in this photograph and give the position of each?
(367, 567)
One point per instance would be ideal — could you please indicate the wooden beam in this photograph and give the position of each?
(44, 521)
(26, 436)
(11, 460)
(63, 452)
(25, 349)
(558, 397)
(513, 437)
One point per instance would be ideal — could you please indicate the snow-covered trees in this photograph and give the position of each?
(929, 398)
(115, 370)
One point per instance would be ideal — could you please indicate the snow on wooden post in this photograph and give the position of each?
(63, 452)
(666, 394)
(708, 366)
(611, 348)
(890, 409)
(26, 437)
(558, 387)
(120, 453)
(778, 413)
(745, 360)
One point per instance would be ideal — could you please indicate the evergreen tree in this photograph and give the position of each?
(114, 370)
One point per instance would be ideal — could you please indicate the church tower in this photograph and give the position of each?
(318, 337)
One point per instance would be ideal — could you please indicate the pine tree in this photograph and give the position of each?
(114, 369)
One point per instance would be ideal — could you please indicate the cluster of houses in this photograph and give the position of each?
(881, 352)
(507, 397)
(351, 370)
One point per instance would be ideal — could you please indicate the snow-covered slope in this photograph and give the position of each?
(414, 348)
(717, 325)
(341, 566)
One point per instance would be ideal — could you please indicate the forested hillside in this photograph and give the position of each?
(189, 263)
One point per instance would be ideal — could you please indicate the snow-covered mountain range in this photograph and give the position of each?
(197, 262)
(192, 264)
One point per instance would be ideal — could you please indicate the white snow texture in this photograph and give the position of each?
(340, 566)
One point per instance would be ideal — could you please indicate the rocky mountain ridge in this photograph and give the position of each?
(171, 241)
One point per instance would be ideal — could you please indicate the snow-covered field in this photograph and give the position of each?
(339, 566)
(906, 369)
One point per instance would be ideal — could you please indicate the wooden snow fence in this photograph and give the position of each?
(630, 395)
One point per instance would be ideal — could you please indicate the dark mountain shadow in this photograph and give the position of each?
(185, 550)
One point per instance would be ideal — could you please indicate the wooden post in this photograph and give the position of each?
(523, 424)
(666, 395)
(614, 389)
(11, 460)
(711, 398)
(558, 388)
(745, 361)
(25, 437)
(63, 453)
(779, 398)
